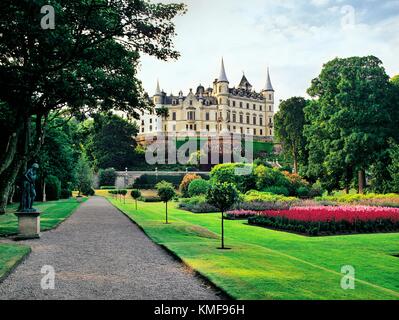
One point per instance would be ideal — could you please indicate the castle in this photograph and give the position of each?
(220, 109)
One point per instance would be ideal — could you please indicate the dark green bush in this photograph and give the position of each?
(88, 192)
(65, 194)
(53, 188)
(303, 192)
(107, 177)
(107, 187)
(198, 187)
(240, 174)
(149, 181)
(278, 190)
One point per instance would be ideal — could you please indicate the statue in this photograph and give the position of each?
(28, 189)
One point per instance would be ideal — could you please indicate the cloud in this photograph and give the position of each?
(294, 37)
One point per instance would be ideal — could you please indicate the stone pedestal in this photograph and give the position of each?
(29, 225)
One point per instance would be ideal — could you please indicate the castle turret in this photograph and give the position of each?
(268, 91)
(222, 82)
(157, 99)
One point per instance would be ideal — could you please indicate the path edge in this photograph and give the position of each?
(222, 293)
(16, 265)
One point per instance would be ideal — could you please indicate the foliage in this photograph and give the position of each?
(107, 187)
(187, 179)
(198, 187)
(84, 177)
(53, 188)
(330, 220)
(257, 196)
(370, 199)
(135, 194)
(289, 123)
(87, 64)
(112, 142)
(350, 119)
(107, 177)
(147, 181)
(222, 196)
(166, 191)
(393, 168)
(197, 204)
(269, 177)
(65, 194)
(239, 174)
(277, 190)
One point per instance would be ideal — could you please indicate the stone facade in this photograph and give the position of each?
(220, 109)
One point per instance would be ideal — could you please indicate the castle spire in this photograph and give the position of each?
(158, 90)
(222, 75)
(269, 86)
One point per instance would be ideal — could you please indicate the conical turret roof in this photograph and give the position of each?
(269, 86)
(222, 75)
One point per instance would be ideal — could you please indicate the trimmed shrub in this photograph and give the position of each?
(53, 188)
(107, 177)
(277, 190)
(188, 178)
(262, 206)
(240, 174)
(107, 187)
(147, 181)
(267, 177)
(150, 199)
(198, 187)
(196, 204)
(303, 192)
(65, 194)
(316, 190)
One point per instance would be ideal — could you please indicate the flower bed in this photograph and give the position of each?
(315, 221)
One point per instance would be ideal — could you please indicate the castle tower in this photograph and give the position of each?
(158, 95)
(222, 96)
(268, 94)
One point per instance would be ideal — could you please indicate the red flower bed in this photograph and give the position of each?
(344, 213)
(327, 220)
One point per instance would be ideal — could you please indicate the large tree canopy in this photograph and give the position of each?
(289, 124)
(86, 64)
(351, 118)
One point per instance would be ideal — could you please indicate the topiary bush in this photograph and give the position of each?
(53, 188)
(240, 174)
(278, 190)
(188, 178)
(303, 192)
(198, 187)
(107, 177)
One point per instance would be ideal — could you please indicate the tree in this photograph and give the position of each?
(88, 63)
(393, 168)
(350, 120)
(289, 124)
(107, 177)
(162, 112)
(112, 143)
(84, 176)
(166, 192)
(222, 196)
(187, 179)
(136, 194)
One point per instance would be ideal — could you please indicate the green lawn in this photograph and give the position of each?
(267, 264)
(53, 213)
(11, 254)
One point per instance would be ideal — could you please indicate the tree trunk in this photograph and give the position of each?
(44, 192)
(7, 180)
(295, 157)
(362, 181)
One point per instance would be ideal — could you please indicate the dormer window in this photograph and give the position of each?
(191, 102)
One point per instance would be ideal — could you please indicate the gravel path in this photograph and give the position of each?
(99, 254)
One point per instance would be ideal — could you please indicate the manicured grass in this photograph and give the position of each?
(10, 255)
(267, 264)
(53, 213)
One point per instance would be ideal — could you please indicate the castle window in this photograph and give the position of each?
(241, 118)
(191, 115)
(254, 106)
(254, 132)
(142, 129)
(270, 97)
(270, 108)
(174, 127)
(261, 132)
(260, 108)
(241, 130)
(271, 132)
(247, 105)
(207, 127)
(234, 103)
(270, 120)
(174, 116)
(261, 121)
(142, 122)
(191, 102)
(248, 121)
(150, 128)
(234, 117)
(254, 118)
(207, 116)
(240, 104)
(150, 120)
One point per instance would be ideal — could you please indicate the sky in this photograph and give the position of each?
(294, 38)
